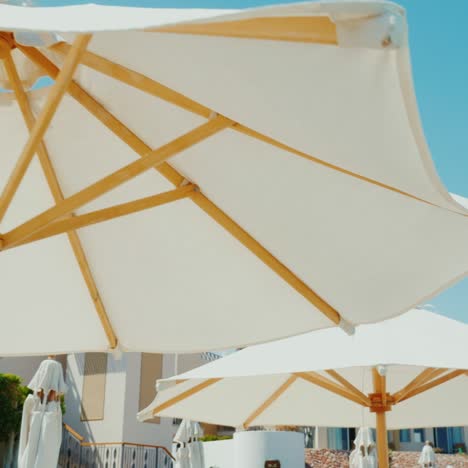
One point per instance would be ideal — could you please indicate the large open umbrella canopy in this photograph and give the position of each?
(288, 140)
(409, 371)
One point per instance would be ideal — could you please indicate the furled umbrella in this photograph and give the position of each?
(363, 455)
(427, 457)
(271, 161)
(386, 376)
(41, 423)
(189, 451)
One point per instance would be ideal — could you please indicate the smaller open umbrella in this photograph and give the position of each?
(41, 425)
(363, 455)
(385, 376)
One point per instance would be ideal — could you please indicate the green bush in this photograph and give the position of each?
(213, 438)
(12, 396)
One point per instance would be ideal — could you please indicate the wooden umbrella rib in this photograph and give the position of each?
(136, 80)
(265, 256)
(104, 185)
(434, 383)
(304, 29)
(57, 194)
(347, 384)
(270, 400)
(420, 379)
(106, 214)
(152, 87)
(141, 148)
(101, 113)
(54, 97)
(184, 395)
(327, 384)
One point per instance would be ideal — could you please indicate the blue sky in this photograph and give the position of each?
(440, 68)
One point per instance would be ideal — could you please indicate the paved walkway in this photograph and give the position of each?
(339, 459)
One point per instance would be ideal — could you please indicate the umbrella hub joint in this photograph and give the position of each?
(7, 43)
(381, 403)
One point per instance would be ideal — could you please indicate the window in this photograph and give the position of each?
(339, 438)
(418, 435)
(457, 435)
(94, 387)
(405, 436)
(151, 370)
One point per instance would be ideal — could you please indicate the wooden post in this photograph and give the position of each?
(382, 442)
(381, 420)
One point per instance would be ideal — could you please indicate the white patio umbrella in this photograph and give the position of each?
(41, 423)
(405, 372)
(363, 455)
(427, 457)
(288, 140)
(189, 453)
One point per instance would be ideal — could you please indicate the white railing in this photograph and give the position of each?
(75, 453)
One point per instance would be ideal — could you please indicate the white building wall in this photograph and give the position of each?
(219, 454)
(110, 429)
(149, 432)
(138, 432)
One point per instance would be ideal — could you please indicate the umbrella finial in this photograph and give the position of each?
(347, 327)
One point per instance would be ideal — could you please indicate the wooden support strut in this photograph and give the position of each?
(425, 376)
(116, 211)
(54, 97)
(141, 148)
(270, 400)
(149, 86)
(57, 194)
(184, 395)
(104, 185)
(347, 384)
(435, 383)
(327, 384)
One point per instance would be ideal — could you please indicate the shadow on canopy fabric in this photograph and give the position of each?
(293, 187)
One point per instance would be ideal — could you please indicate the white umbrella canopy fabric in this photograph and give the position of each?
(410, 370)
(288, 140)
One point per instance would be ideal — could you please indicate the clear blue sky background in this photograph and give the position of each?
(440, 67)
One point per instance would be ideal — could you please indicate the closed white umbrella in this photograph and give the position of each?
(41, 424)
(287, 139)
(386, 375)
(189, 452)
(363, 455)
(427, 457)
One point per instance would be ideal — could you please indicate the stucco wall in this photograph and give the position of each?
(110, 429)
(134, 431)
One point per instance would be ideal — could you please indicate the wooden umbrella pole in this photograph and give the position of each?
(382, 441)
(380, 408)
